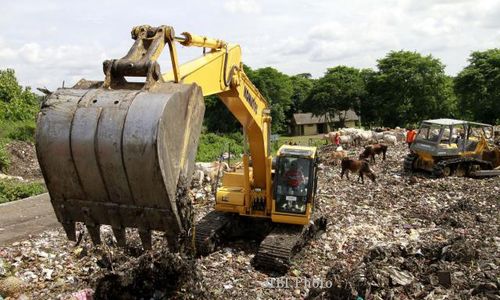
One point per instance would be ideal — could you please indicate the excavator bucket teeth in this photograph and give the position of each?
(115, 157)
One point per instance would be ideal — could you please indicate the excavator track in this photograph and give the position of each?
(210, 231)
(447, 167)
(280, 246)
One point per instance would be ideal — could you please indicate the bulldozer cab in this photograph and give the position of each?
(447, 137)
(294, 180)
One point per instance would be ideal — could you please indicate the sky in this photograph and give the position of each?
(51, 41)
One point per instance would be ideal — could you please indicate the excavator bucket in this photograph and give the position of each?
(116, 156)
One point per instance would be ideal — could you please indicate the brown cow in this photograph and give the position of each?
(337, 156)
(372, 150)
(362, 167)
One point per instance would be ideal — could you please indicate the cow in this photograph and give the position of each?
(372, 150)
(362, 167)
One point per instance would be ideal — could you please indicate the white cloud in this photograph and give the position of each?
(36, 65)
(327, 31)
(293, 36)
(242, 6)
(30, 53)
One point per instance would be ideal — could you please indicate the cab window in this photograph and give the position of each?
(429, 133)
(293, 184)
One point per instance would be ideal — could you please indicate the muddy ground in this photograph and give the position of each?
(402, 237)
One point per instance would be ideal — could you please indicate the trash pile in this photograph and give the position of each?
(23, 161)
(402, 237)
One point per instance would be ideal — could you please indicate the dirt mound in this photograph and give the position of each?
(154, 275)
(23, 160)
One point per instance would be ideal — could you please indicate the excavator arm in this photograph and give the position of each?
(115, 152)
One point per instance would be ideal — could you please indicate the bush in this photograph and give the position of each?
(18, 108)
(22, 131)
(11, 190)
(4, 156)
(211, 146)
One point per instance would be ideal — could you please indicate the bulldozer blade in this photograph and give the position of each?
(115, 157)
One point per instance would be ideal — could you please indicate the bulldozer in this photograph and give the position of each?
(448, 147)
(117, 152)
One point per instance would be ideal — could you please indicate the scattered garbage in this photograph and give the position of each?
(406, 236)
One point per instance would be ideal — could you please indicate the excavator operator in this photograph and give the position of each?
(294, 176)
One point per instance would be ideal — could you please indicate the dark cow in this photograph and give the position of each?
(372, 150)
(362, 167)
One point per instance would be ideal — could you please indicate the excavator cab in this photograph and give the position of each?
(294, 184)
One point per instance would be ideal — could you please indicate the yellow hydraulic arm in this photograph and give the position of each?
(220, 71)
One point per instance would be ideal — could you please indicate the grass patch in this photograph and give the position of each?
(303, 140)
(11, 190)
(18, 130)
(211, 145)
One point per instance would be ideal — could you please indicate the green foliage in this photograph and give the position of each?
(211, 145)
(16, 103)
(283, 93)
(340, 89)
(11, 190)
(19, 130)
(277, 88)
(4, 156)
(18, 109)
(477, 87)
(218, 118)
(368, 109)
(409, 87)
(302, 85)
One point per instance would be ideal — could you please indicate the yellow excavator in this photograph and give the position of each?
(118, 152)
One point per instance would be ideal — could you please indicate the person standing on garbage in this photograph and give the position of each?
(410, 136)
(337, 139)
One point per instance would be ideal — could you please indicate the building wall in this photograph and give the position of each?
(350, 123)
(310, 129)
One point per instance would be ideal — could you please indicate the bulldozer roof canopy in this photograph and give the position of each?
(452, 122)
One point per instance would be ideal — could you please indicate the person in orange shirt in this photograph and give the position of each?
(410, 136)
(337, 139)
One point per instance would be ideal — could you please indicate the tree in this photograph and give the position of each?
(477, 87)
(409, 87)
(16, 103)
(218, 118)
(340, 89)
(301, 84)
(368, 108)
(277, 88)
